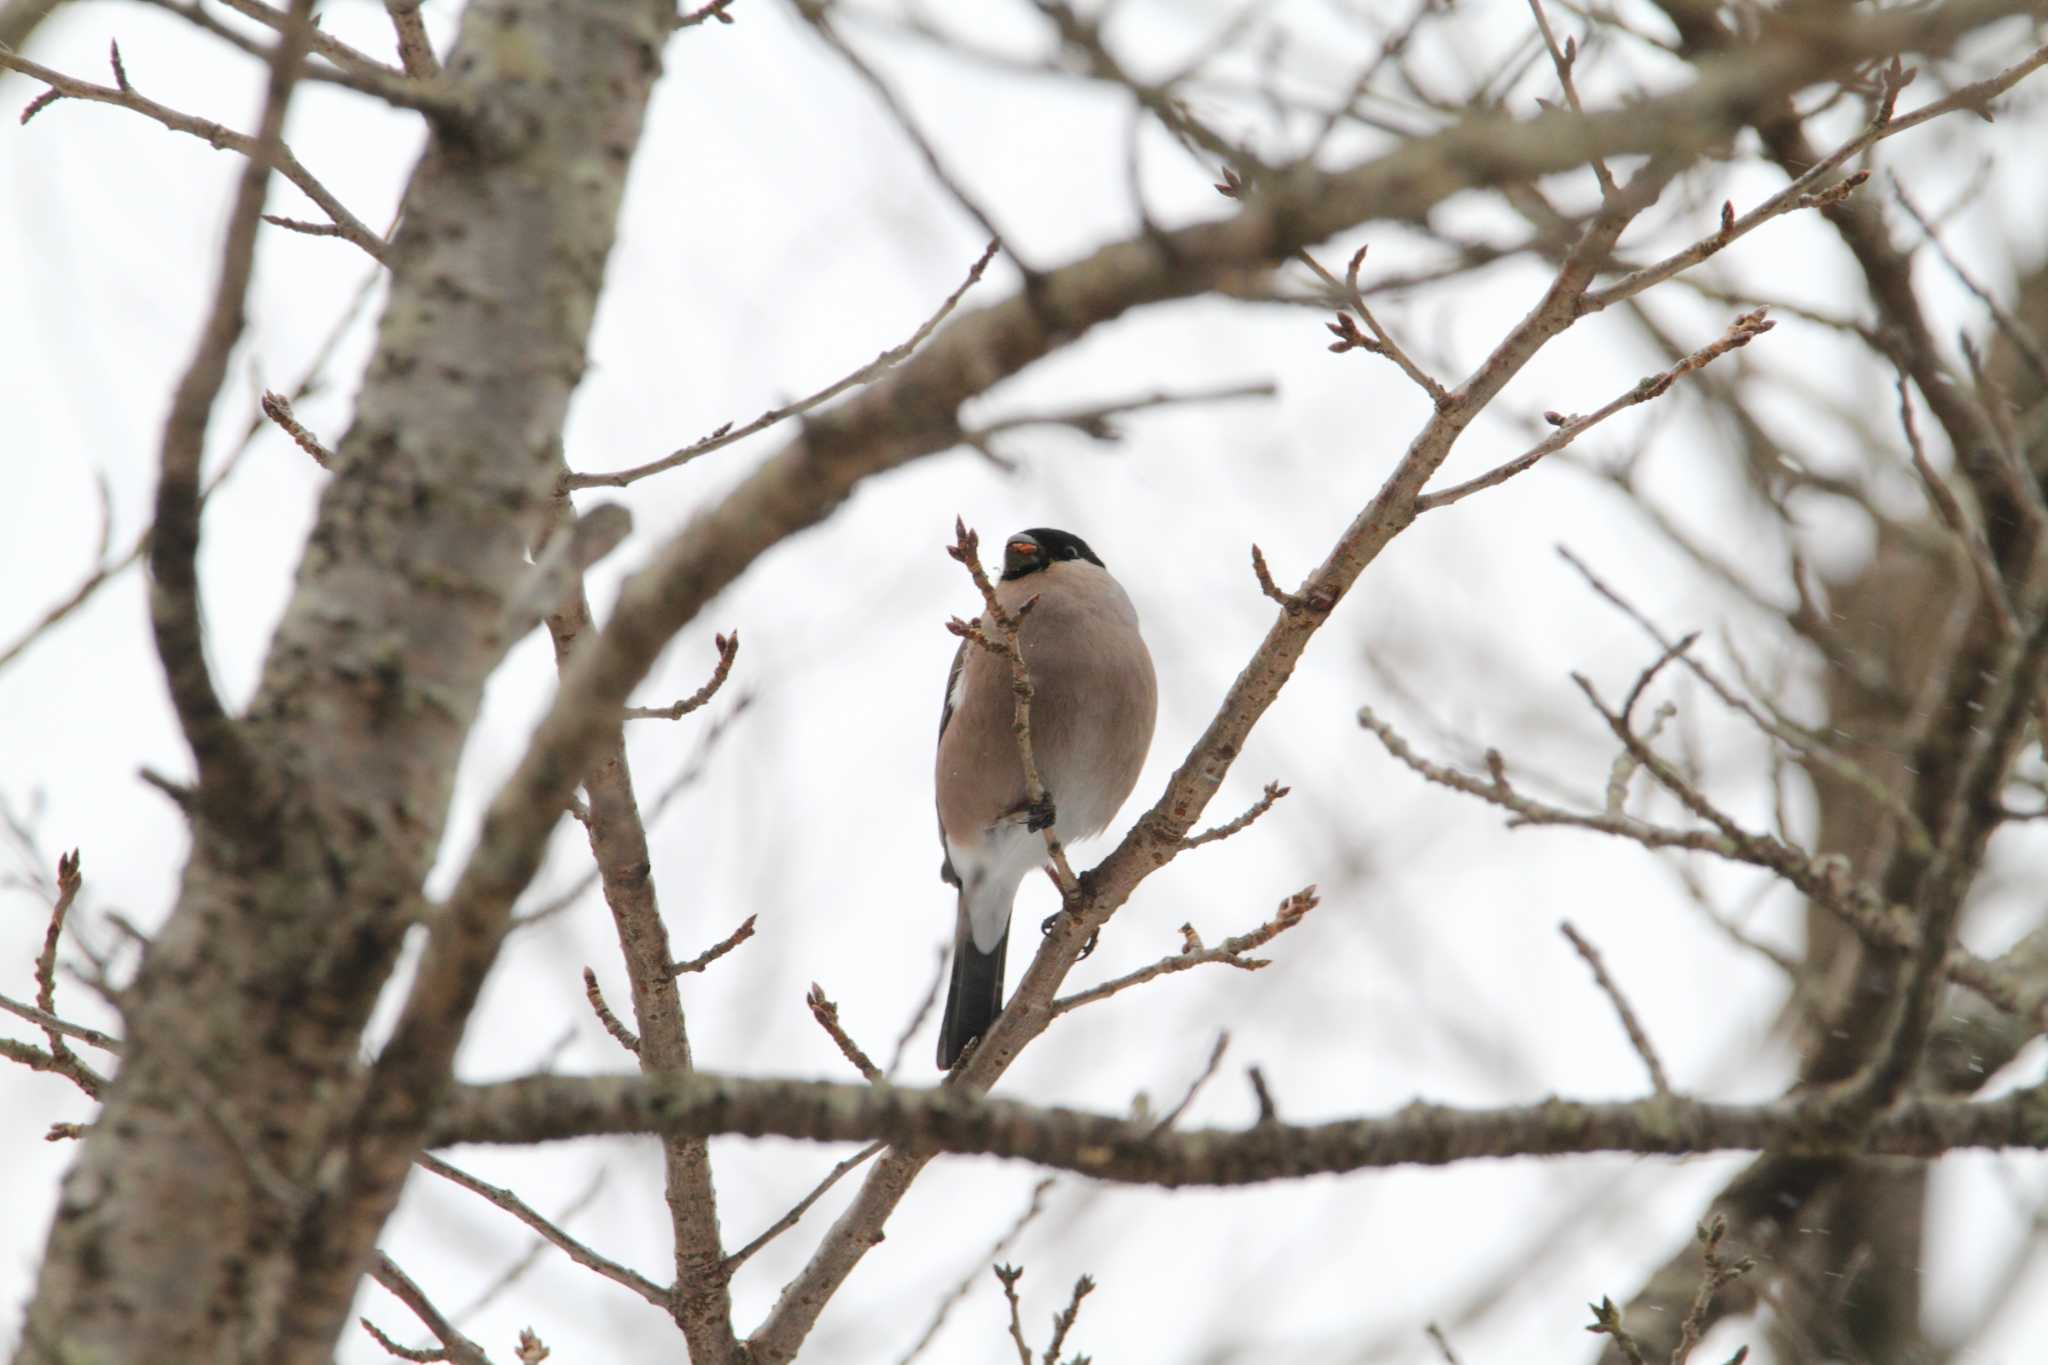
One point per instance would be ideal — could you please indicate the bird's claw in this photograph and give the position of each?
(1045, 928)
(1039, 815)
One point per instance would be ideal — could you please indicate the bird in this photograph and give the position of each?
(1096, 699)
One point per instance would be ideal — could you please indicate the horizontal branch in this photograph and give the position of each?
(1138, 1151)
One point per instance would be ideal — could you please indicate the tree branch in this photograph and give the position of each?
(226, 769)
(549, 1108)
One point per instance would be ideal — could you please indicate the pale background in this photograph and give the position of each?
(779, 232)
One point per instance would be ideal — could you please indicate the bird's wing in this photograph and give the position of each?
(946, 872)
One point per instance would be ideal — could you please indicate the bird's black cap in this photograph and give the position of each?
(1029, 551)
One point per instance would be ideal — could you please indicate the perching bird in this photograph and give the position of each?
(1091, 724)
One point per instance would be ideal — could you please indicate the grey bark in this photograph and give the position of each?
(203, 1221)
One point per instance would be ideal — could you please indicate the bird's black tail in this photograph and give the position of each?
(976, 996)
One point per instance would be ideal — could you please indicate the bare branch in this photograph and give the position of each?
(1563, 59)
(1274, 791)
(1093, 420)
(714, 10)
(619, 1032)
(1008, 1275)
(1231, 952)
(801, 1207)
(1208, 1073)
(719, 949)
(1740, 333)
(455, 1347)
(921, 1013)
(217, 744)
(1380, 343)
(873, 370)
(1063, 1321)
(1607, 1323)
(728, 647)
(1976, 550)
(1719, 1273)
(1822, 880)
(278, 409)
(827, 1015)
(960, 1291)
(1637, 1037)
(1287, 600)
(1124, 1149)
(259, 151)
(415, 49)
(576, 1251)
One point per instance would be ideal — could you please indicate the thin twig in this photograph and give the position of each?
(1563, 59)
(802, 1206)
(1719, 1273)
(1035, 1207)
(576, 1251)
(1274, 791)
(1638, 1038)
(1172, 1116)
(1823, 881)
(728, 647)
(1381, 342)
(1991, 584)
(348, 226)
(278, 409)
(414, 1353)
(715, 10)
(1009, 1275)
(920, 1014)
(619, 1032)
(531, 1257)
(727, 434)
(1809, 190)
(1607, 1322)
(1289, 603)
(821, 24)
(719, 949)
(175, 608)
(1231, 952)
(1801, 740)
(1063, 1321)
(47, 1022)
(827, 1015)
(455, 1347)
(1740, 333)
(69, 879)
(1094, 420)
(2024, 341)
(966, 550)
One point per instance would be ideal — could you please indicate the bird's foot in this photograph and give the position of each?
(1039, 814)
(1054, 918)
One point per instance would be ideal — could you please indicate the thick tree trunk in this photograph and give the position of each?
(201, 1222)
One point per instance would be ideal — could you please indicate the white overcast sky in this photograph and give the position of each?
(779, 232)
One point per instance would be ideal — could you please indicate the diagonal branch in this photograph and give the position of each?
(1231, 953)
(225, 767)
(264, 148)
(575, 1250)
(914, 413)
(868, 373)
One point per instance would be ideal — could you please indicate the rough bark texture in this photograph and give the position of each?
(946, 1118)
(197, 1224)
